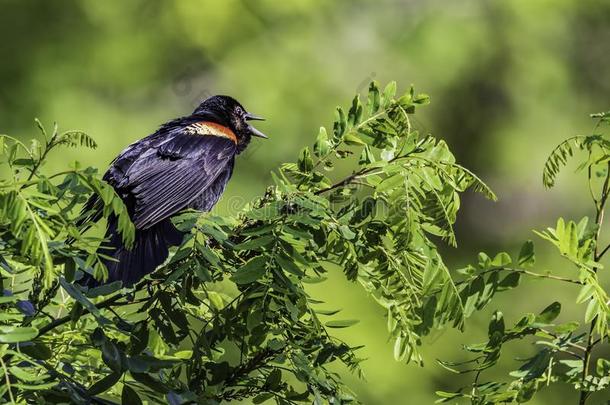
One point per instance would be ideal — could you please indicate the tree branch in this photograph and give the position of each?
(599, 219)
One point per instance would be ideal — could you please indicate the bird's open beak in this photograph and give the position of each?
(254, 131)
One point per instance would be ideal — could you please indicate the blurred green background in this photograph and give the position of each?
(508, 81)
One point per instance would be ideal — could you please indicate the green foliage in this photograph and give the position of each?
(35, 209)
(566, 349)
(596, 145)
(229, 316)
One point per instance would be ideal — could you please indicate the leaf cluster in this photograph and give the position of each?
(564, 351)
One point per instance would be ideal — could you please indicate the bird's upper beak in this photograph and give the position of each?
(253, 117)
(254, 131)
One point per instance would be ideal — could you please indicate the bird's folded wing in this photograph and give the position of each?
(166, 179)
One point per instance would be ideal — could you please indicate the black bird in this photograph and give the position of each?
(186, 163)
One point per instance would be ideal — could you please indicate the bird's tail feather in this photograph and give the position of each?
(149, 250)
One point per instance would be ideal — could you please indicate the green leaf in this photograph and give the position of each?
(37, 351)
(603, 367)
(567, 327)
(23, 375)
(104, 384)
(322, 146)
(262, 397)
(14, 334)
(549, 314)
(502, 259)
(373, 100)
(256, 243)
(111, 356)
(129, 396)
(43, 131)
(390, 183)
(586, 292)
(215, 299)
(254, 319)
(355, 112)
(447, 396)
(305, 162)
(475, 290)
(346, 232)
(592, 310)
(75, 293)
(401, 348)
(288, 265)
(341, 323)
(534, 367)
(570, 242)
(421, 99)
(352, 139)
(274, 379)
(327, 312)
(150, 382)
(496, 325)
(139, 337)
(34, 387)
(526, 254)
(104, 289)
(145, 363)
(209, 255)
(510, 281)
(8, 299)
(69, 270)
(559, 158)
(366, 156)
(253, 270)
(182, 253)
(388, 93)
(340, 124)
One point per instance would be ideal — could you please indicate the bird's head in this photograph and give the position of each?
(227, 111)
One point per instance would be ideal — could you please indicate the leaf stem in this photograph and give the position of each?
(8, 381)
(529, 273)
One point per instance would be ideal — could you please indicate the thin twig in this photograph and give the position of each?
(574, 345)
(529, 273)
(349, 179)
(602, 253)
(104, 304)
(48, 146)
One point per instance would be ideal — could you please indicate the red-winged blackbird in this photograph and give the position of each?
(185, 164)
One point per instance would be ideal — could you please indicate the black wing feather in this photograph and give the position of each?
(164, 180)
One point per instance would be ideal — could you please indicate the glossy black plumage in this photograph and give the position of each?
(185, 164)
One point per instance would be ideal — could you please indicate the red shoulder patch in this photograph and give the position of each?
(214, 129)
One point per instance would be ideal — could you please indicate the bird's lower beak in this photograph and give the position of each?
(256, 132)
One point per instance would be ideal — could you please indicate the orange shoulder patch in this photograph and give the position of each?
(212, 128)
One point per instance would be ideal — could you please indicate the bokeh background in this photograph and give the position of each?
(508, 81)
